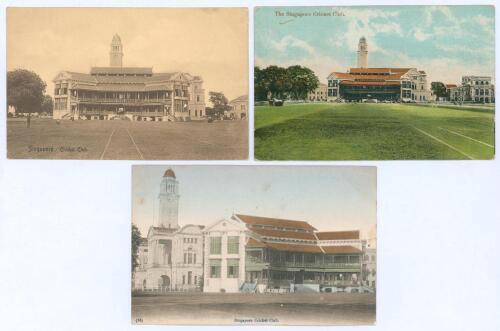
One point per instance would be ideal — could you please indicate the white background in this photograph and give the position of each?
(65, 231)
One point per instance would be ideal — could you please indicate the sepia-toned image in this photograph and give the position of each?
(127, 83)
(374, 83)
(254, 245)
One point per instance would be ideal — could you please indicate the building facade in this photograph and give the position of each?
(255, 254)
(319, 94)
(171, 257)
(135, 93)
(474, 89)
(369, 267)
(239, 108)
(381, 84)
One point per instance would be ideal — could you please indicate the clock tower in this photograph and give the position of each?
(362, 53)
(116, 52)
(169, 201)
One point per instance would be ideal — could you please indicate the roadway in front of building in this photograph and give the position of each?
(121, 144)
(255, 309)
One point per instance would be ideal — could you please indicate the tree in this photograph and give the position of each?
(136, 241)
(261, 84)
(277, 82)
(220, 103)
(302, 80)
(47, 104)
(439, 90)
(280, 83)
(25, 91)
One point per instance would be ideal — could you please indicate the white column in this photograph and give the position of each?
(242, 258)
(223, 266)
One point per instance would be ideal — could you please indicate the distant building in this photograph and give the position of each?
(318, 94)
(171, 257)
(369, 262)
(474, 89)
(449, 88)
(250, 253)
(369, 267)
(239, 108)
(135, 93)
(392, 84)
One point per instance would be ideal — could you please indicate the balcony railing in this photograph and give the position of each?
(122, 101)
(300, 264)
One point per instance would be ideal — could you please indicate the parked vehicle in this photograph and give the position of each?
(276, 102)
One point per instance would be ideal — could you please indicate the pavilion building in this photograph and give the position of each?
(381, 84)
(135, 93)
(259, 253)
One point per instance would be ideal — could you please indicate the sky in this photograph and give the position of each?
(329, 198)
(212, 43)
(447, 42)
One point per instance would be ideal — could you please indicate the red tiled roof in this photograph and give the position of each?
(451, 85)
(295, 248)
(169, 173)
(284, 234)
(256, 220)
(255, 243)
(378, 70)
(161, 77)
(369, 70)
(82, 77)
(120, 79)
(337, 235)
(396, 76)
(341, 250)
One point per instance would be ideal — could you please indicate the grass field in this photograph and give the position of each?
(373, 132)
(255, 309)
(127, 140)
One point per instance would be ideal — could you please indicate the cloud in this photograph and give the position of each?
(391, 27)
(444, 69)
(369, 23)
(431, 11)
(292, 42)
(420, 35)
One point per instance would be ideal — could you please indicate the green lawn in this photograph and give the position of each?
(373, 132)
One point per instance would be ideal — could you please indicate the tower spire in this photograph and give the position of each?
(116, 52)
(362, 53)
(169, 201)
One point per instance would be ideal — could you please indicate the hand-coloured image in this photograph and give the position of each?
(374, 83)
(127, 83)
(251, 245)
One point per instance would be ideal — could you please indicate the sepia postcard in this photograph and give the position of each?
(127, 83)
(254, 245)
(374, 83)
